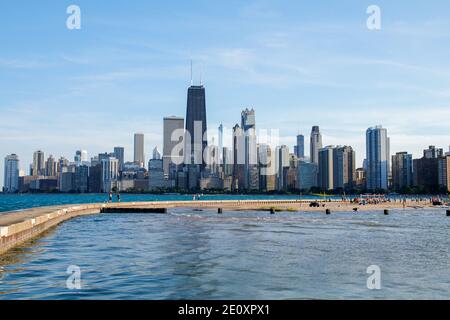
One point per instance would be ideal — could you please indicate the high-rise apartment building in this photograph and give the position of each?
(51, 167)
(11, 174)
(336, 168)
(378, 158)
(402, 171)
(444, 172)
(38, 166)
(344, 168)
(110, 173)
(326, 168)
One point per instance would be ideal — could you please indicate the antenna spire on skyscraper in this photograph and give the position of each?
(192, 82)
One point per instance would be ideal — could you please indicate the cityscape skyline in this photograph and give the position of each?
(320, 66)
(222, 151)
(192, 161)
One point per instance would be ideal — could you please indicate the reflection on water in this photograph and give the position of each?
(238, 255)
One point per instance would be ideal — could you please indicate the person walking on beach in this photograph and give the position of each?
(110, 197)
(118, 197)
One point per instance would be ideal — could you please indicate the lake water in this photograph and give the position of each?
(190, 254)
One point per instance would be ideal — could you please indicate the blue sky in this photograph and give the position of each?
(298, 63)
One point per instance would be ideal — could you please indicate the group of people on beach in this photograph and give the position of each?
(197, 197)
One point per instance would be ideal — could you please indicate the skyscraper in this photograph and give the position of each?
(299, 149)
(248, 125)
(81, 179)
(267, 169)
(220, 130)
(77, 157)
(433, 153)
(248, 120)
(444, 171)
(282, 161)
(156, 154)
(119, 154)
(196, 140)
(344, 168)
(81, 156)
(38, 167)
(172, 126)
(336, 168)
(238, 180)
(326, 168)
(402, 170)
(110, 173)
(139, 157)
(50, 167)
(426, 169)
(378, 158)
(316, 144)
(11, 174)
(307, 175)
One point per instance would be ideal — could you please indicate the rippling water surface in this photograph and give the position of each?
(190, 254)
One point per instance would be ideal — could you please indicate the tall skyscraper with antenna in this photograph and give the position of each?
(196, 140)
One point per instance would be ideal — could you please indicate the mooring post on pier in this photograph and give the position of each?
(219, 211)
(448, 213)
(328, 211)
(272, 211)
(386, 212)
(355, 209)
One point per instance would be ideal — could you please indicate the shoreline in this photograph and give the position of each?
(19, 226)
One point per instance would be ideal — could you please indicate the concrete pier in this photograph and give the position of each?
(19, 226)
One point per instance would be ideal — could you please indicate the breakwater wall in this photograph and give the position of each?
(17, 227)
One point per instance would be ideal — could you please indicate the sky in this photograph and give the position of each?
(297, 63)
